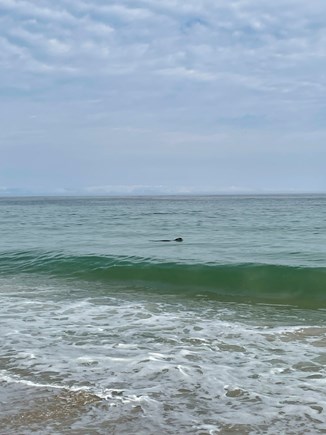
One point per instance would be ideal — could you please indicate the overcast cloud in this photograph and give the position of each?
(162, 96)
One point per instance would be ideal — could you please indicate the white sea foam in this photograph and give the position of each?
(10, 378)
(195, 366)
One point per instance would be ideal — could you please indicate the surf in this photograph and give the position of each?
(246, 282)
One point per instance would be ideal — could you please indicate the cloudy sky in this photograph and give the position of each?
(132, 96)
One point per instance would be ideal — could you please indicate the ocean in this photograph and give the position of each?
(107, 329)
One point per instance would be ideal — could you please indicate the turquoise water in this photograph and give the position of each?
(107, 329)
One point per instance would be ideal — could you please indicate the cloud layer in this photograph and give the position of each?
(139, 85)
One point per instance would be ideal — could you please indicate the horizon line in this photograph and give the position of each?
(158, 194)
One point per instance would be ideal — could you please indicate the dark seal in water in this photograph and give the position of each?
(178, 239)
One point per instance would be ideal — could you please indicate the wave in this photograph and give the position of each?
(249, 282)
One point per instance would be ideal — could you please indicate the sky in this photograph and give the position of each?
(174, 96)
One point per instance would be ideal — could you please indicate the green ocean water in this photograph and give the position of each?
(115, 331)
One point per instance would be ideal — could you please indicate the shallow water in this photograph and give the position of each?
(87, 351)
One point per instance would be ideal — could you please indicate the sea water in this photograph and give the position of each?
(106, 329)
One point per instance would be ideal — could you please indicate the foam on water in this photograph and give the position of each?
(175, 367)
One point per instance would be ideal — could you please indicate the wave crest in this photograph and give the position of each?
(249, 282)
